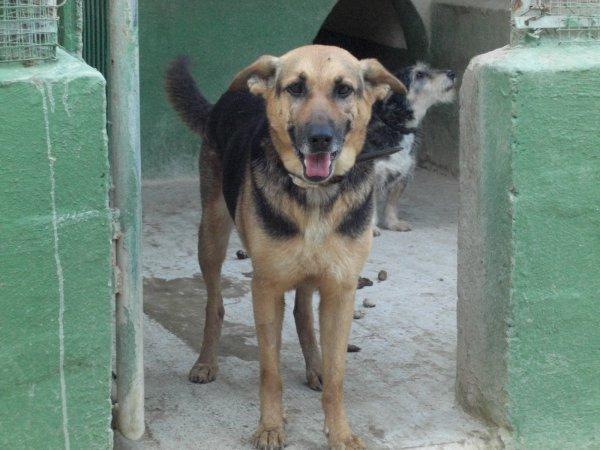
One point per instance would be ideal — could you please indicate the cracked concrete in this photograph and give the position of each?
(399, 387)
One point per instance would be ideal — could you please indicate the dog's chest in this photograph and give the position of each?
(316, 250)
(323, 232)
(317, 229)
(320, 251)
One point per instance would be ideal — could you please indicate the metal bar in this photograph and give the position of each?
(95, 37)
(124, 104)
(102, 24)
(85, 33)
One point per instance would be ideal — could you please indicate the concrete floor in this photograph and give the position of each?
(399, 388)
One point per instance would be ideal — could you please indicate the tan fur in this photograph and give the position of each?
(322, 66)
(317, 258)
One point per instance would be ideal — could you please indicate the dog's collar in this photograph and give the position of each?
(368, 156)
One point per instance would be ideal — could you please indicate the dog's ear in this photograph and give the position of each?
(258, 77)
(379, 80)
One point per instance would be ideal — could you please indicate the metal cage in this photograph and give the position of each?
(28, 30)
(569, 20)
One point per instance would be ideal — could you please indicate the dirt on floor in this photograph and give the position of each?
(399, 387)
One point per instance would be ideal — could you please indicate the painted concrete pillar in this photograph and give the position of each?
(55, 258)
(529, 244)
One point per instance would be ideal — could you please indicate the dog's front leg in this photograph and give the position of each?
(268, 304)
(390, 213)
(335, 318)
(375, 217)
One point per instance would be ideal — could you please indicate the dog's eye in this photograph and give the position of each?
(296, 89)
(420, 75)
(343, 90)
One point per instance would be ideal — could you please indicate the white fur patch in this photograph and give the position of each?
(401, 163)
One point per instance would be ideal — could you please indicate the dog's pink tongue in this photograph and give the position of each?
(317, 164)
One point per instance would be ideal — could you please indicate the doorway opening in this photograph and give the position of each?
(399, 387)
(390, 30)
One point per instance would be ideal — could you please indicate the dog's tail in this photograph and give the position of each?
(186, 98)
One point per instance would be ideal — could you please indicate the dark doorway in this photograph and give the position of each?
(389, 30)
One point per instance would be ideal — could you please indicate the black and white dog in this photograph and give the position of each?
(394, 124)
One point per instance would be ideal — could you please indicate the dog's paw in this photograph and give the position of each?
(352, 443)
(269, 438)
(203, 373)
(397, 225)
(314, 379)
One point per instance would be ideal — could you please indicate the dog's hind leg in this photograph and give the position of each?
(303, 315)
(213, 236)
(390, 218)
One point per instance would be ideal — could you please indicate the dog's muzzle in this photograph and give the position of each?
(317, 163)
(317, 146)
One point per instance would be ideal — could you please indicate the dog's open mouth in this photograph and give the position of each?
(318, 166)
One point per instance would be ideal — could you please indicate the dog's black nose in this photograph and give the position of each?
(320, 137)
(450, 74)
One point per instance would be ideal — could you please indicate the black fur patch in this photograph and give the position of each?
(391, 178)
(274, 223)
(183, 93)
(299, 195)
(358, 219)
(236, 127)
(357, 176)
(388, 121)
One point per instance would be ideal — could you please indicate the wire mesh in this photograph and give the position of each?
(569, 20)
(584, 8)
(28, 30)
(580, 19)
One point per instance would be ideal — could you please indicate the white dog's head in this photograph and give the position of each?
(428, 87)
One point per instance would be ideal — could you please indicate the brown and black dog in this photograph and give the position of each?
(303, 208)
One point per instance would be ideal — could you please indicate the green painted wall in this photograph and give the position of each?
(70, 26)
(529, 294)
(221, 37)
(55, 265)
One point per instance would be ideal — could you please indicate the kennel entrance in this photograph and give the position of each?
(404, 349)
(169, 195)
(168, 192)
(537, 204)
